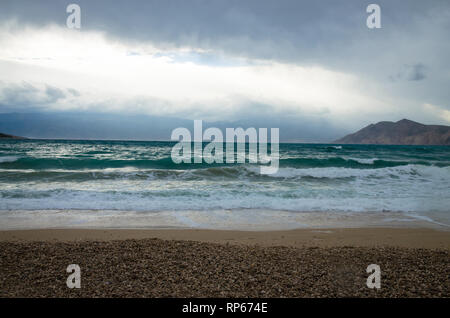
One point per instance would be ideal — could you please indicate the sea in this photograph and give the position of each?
(136, 184)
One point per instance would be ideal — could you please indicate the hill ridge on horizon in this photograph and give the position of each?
(402, 132)
(7, 136)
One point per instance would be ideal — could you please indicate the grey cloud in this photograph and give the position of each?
(54, 93)
(286, 29)
(416, 72)
(325, 32)
(28, 97)
(19, 97)
(74, 92)
(417, 76)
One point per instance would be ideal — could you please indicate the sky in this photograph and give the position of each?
(311, 68)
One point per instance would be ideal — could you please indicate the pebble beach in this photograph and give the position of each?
(153, 267)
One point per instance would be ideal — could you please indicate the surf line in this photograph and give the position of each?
(213, 152)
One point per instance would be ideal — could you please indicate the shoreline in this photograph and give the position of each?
(254, 220)
(324, 237)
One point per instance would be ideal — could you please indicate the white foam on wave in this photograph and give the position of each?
(367, 161)
(175, 197)
(411, 188)
(9, 159)
(338, 172)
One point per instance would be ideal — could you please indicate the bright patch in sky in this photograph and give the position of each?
(110, 75)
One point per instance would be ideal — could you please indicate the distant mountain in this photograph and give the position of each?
(89, 126)
(6, 136)
(403, 132)
(115, 126)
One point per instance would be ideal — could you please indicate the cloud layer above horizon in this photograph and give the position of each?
(272, 61)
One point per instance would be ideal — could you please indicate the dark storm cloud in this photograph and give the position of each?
(327, 32)
(286, 29)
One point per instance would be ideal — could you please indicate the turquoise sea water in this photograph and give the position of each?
(140, 177)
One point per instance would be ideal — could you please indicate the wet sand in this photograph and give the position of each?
(357, 237)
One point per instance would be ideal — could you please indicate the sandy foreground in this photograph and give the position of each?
(211, 263)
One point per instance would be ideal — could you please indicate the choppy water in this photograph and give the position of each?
(141, 177)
